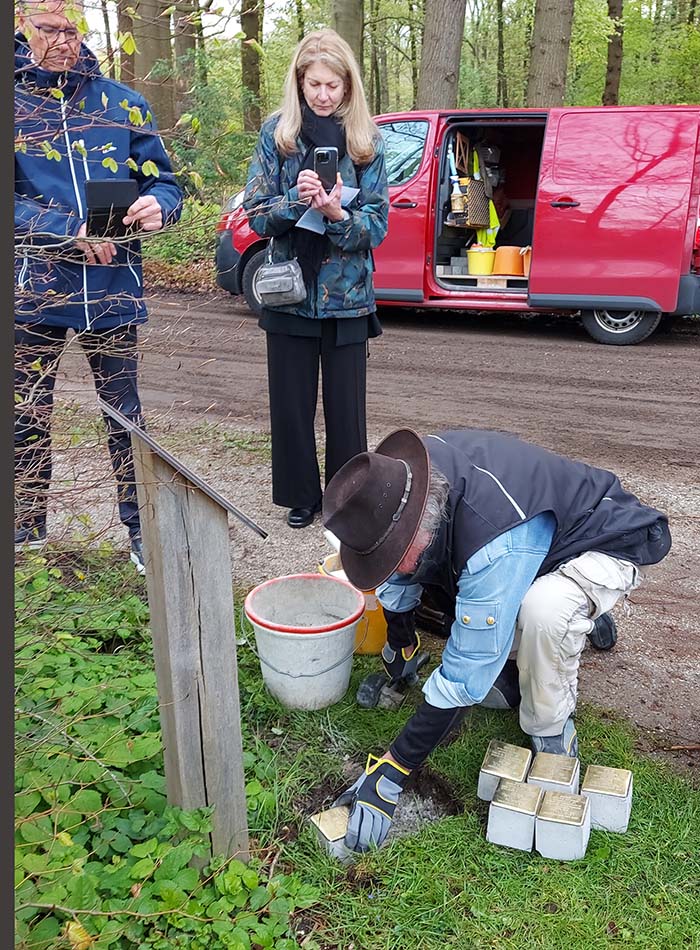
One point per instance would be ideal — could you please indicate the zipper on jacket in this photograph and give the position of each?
(79, 202)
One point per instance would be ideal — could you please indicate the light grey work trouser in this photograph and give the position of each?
(556, 615)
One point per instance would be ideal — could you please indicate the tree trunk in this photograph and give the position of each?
(185, 54)
(549, 53)
(611, 93)
(154, 61)
(374, 82)
(125, 24)
(301, 29)
(251, 26)
(108, 40)
(347, 18)
(383, 77)
(691, 13)
(413, 46)
(438, 83)
(502, 82)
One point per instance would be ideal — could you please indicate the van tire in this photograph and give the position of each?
(247, 282)
(620, 327)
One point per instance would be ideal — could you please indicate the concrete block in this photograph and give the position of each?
(512, 814)
(563, 826)
(502, 760)
(610, 793)
(555, 773)
(331, 826)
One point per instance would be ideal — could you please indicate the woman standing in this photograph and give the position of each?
(323, 106)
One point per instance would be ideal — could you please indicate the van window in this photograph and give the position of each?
(628, 147)
(404, 143)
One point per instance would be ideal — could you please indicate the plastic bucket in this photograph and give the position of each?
(480, 261)
(305, 627)
(372, 639)
(508, 261)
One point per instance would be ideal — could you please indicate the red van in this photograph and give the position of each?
(607, 199)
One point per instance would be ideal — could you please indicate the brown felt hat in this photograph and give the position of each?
(374, 505)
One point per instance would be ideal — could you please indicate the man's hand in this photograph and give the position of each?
(145, 213)
(96, 252)
(402, 663)
(372, 799)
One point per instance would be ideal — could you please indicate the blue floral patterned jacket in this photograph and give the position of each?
(344, 285)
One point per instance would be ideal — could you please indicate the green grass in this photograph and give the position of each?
(448, 887)
(443, 887)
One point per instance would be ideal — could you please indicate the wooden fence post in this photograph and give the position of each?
(184, 525)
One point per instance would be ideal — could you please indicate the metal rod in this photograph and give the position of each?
(198, 482)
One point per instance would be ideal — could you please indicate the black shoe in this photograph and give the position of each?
(136, 556)
(505, 692)
(302, 517)
(31, 535)
(603, 636)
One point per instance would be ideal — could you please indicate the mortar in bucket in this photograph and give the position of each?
(305, 627)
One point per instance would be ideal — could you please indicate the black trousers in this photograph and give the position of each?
(292, 370)
(112, 358)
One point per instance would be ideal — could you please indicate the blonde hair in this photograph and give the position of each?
(329, 48)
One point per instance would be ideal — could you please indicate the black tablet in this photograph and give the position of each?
(107, 203)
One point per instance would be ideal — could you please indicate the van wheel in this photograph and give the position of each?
(620, 327)
(251, 298)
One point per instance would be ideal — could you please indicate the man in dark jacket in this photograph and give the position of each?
(73, 125)
(529, 546)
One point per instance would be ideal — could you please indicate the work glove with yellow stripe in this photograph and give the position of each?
(372, 799)
(402, 663)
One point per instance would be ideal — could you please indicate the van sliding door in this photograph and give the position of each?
(612, 208)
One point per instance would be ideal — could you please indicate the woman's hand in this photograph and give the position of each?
(309, 185)
(329, 204)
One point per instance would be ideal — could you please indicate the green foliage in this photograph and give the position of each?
(101, 859)
(191, 240)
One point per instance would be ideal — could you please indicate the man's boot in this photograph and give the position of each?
(603, 636)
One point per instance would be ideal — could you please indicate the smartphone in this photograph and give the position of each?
(107, 203)
(326, 166)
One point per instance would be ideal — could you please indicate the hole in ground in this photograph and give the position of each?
(427, 796)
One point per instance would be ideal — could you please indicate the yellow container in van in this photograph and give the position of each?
(480, 260)
(370, 636)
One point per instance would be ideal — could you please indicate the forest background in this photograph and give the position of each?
(212, 70)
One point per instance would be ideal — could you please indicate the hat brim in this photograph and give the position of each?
(367, 571)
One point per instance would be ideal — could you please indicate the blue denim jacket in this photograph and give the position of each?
(491, 588)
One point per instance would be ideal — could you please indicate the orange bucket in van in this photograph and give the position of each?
(370, 637)
(508, 262)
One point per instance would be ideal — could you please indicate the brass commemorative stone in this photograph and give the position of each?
(607, 781)
(332, 823)
(502, 760)
(517, 796)
(506, 761)
(562, 808)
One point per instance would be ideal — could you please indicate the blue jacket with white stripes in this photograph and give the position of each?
(71, 127)
(498, 481)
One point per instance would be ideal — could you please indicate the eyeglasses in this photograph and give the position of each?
(52, 33)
